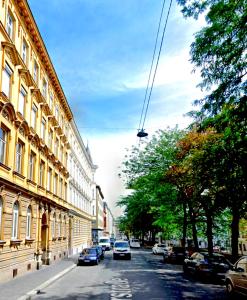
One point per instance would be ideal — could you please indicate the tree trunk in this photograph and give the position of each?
(209, 232)
(184, 225)
(235, 231)
(193, 224)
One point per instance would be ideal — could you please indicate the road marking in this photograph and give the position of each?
(120, 289)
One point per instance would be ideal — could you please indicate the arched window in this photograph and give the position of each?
(1, 213)
(29, 218)
(15, 221)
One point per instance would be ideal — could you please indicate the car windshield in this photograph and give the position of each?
(89, 251)
(216, 259)
(104, 241)
(121, 244)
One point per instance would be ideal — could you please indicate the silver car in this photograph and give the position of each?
(236, 278)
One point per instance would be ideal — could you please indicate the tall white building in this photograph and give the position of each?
(80, 191)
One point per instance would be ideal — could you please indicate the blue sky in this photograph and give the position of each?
(102, 51)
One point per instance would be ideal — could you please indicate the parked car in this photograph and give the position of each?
(101, 251)
(159, 248)
(121, 249)
(236, 278)
(134, 243)
(203, 265)
(175, 255)
(89, 256)
(105, 243)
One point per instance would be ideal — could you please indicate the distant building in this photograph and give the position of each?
(97, 212)
(109, 223)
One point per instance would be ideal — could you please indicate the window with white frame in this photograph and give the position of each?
(44, 88)
(19, 156)
(61, 188)
(22, 101)
(14, 234)
(36, 72)
(6, 80)
(55, 184)
(34, 113)
(50, 137)
(49, 174)
(28, 221)
(43, 126)
(1, 214)
(24, 51)
(32, 165)
(10, 25)
(41, 173)
(53, 226)
(57, 112)
(51, 101)
(3, 145)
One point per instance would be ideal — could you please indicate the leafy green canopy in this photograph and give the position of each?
(219, 50)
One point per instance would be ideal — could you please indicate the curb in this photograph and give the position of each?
(37, 290)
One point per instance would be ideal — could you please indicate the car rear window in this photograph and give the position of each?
(104, 240)
(121, 244)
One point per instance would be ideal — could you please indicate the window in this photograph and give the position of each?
(61, 188)
(43, 125)
(65, 191)
(22, 100)
(28, 228)
(24, 51)
(19, 155)
(3, 145)
(15, 221)
(34, 116)
(1, 213)
(61, 154)
(53, 226)
(50, 139)
(57, 112)
(32, 165)
(36, 72)
(44, 88)
(55, 184)
(56, 147)
(59, 224)
(49, 179)
(6, 80)
(41, 173)
(51, 101)
(10, 25)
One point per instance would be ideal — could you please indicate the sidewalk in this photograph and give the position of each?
(23, 287)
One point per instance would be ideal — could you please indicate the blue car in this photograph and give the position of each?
(89, 256)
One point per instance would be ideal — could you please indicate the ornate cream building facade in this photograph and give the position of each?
(40, 219)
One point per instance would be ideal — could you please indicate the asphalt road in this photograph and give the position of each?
(144, 277)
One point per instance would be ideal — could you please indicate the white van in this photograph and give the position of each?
(134, 243)
(105, 242)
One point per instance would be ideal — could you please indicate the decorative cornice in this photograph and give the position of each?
(32, 27)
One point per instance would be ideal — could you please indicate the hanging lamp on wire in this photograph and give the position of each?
(141, 132)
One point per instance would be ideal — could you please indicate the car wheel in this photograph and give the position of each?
(129, 257)
(229, 288)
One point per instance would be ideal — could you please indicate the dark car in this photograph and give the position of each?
(89, 256)
(175, 255)
(236, 278)
(203, 265)
(101, 251)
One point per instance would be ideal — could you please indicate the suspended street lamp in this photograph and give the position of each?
(142, 133)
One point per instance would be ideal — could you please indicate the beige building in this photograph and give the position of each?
(97, 211)
(37, 220)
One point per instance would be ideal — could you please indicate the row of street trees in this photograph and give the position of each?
(193, 182)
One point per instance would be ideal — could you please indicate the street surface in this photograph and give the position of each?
(145, 277)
